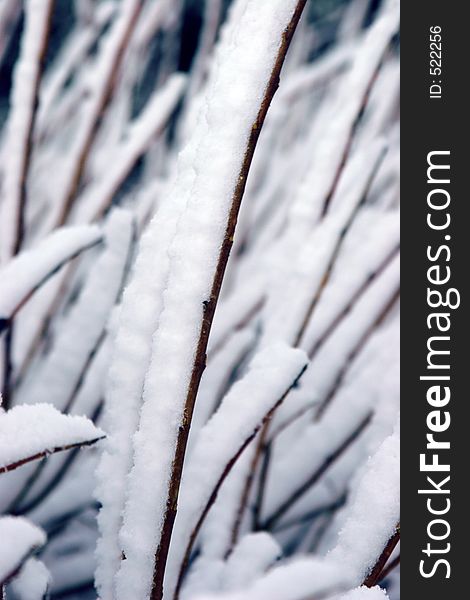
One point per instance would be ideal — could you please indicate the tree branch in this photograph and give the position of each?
(209, 310)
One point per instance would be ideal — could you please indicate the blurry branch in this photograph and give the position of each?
(314, 478)
(337, 248)
(18, 147)
(355, 352)
(393, 564)
(20, 126)
(141, 133)
(20, 278)
(377, 571)
(262, 449)
(211, 22)
(209, 310)
(360, 292)
(69, 59)
(21, 504)
(107, 72)
(310, 516)
(10, 11)
(352, 132)
(242, 321)
(80, 377)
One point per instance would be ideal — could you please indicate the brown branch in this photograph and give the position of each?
(314, 478)
(7, 370)
(375, 574)
(10, 11)
(245, 495)
(389, 568)
(330, 329)
(6, 320)
(262, 481)
(352, 133)
(17, 501)
(358, 294)
(18, 225)
(103, 101)
(19, 507)
(16, 569)
(44, 453)
(209, 309)
(228, 468)
(337, 249)
(28, 141)
(354, 353)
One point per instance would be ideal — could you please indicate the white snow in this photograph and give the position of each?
(33, 581)
(208, 169)
(301, 578)
(337, 122)
(365, 593)
(79, 332)
(139, 136)
(100, 79)
(314, 264)
(27, 271)
(19, 539)
(251, 557)
(374, 513)
(270, 374)
(371, 521)
(28, 430)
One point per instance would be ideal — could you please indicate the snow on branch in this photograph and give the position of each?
(25, 273)
(20, 539)
(30, 432)
(373, 514)
(56, 378)
(140, 134)
(18, 143)
(32, 581)
(104, 76)
(212, 175)
(248, 405)
(364, 593)
(239, 480)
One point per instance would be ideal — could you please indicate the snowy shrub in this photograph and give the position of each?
(199, 281)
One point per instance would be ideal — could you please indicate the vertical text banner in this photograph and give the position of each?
(435, 317)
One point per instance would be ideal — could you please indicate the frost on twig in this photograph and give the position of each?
(32, 432)
(23, 275)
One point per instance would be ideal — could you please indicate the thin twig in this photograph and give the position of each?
(354, 353)
(58, 476)
(102, 101)
(375, 574)
(24, 461)
(314, 478)
(209, 310)
(6, 320)
(17, 187)
(393, 564)
(228, 468)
